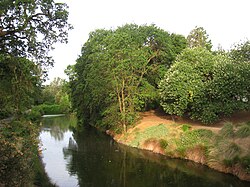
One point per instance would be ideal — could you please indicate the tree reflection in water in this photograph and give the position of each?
(57, 126)
(94, 159)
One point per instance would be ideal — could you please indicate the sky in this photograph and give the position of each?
(226, 22)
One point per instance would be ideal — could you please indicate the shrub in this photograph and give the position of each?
(231, 162)
(185, 127)
(19, 143)
(205, 133)
(243, 131)
(227, 130)
(245, 162)
(232, 150)
(163, 143)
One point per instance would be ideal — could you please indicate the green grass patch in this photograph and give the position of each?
(190, 139)
(151, 132)
(243, 131)
(227, 131)
(245, 162)
(163, 143)
(185, 127)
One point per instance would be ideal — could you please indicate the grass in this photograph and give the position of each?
(185, 127)
(179, 140)
(151, 132)
(245, 162)
(163, 143)
(243, 131)
(191, 139)
(227, 130)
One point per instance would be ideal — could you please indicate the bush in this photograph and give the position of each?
(205, 86)
(232, 150)
(243, 131)
(19, 145)
(227, 130)
(185, 127)
(163, 143)
(52, 109)
(245, 162)
(231, 162)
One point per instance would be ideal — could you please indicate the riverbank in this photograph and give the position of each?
(223, 146)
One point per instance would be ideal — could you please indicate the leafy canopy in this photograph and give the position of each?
(198, 37)
(118, 72)
(29, 28)
(205, 86)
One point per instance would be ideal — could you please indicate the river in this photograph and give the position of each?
(87, 157)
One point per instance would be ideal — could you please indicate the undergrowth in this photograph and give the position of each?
(151, 132)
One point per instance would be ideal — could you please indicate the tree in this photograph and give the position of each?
(241, 52)
(198, 37)
(29, 28)
(205, 86)
(19, 82)
(185, 80)
(118, 72)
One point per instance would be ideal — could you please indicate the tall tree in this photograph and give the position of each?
(205, 86)
(241, 52)
(118, 72)
(198, 37)
(29, 28)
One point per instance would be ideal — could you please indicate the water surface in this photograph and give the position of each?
(91, 158)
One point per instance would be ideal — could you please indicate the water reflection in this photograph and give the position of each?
(58, 125)
(90, 158)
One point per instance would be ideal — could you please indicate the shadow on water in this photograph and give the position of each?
(94, 159)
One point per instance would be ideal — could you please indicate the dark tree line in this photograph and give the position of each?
(28, 30)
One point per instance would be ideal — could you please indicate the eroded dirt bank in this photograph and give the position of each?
(182, 138)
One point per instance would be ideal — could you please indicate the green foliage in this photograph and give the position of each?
(232, 150)
(205, 86)
(240, 52)
(198, 37)
(19, 84)
(57, 93)
(227, 130)
(191, 139)
(30, 28)
(185, 127)
(163, 143)
(149, 133)
(18, 148)
(245, 162)
(35, 113)
(117, 73)
(52, 109)
(231, 162)
(243, 131)
(185, 80)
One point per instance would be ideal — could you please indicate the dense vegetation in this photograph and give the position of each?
(28, 30)
(205, 86)
(53, 99)
(118, 72)
(135, 68)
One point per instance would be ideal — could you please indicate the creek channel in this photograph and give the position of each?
(88, 157)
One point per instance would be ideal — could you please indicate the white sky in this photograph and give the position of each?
(226, 21)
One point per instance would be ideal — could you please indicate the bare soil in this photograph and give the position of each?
(156, 117)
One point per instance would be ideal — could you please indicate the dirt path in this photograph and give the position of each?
(153, 117)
